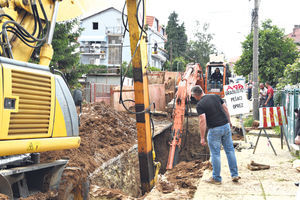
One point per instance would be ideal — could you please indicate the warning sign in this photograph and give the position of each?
(33, 146)
(236, 99)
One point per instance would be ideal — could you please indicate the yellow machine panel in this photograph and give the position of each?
(32, 94)
(59, 129)
(37, 112)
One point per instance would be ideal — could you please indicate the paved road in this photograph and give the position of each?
(275, 183)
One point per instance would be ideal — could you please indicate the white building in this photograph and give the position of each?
(102, 38)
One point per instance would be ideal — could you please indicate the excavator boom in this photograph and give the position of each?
(192, 76)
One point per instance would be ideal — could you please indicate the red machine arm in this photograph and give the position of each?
(192, 76)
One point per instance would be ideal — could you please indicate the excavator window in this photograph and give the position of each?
(215, 78)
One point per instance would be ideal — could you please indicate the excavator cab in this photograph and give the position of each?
(215, 79)
(217, 75)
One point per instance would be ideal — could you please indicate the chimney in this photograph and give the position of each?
(294, 30)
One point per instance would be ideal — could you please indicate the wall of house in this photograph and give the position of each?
(109, 80)
(113, 18)
(155, 37)
(106, 20)
(156, 93)
(85, 59)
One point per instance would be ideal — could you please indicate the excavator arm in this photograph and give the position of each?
(192, 76)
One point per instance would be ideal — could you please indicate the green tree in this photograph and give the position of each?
(275, 52)
(179, 64)
(201, 47)
(290, 75)
(64, 45)
(177, 38)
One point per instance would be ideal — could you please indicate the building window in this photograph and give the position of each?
(95, 25)
(92, 61)
(157, 25)
(114, 55)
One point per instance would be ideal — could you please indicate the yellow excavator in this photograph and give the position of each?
(37, 110)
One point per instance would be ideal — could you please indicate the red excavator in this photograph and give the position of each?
(210, 85)
(192, 76)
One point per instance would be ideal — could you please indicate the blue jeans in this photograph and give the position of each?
(215, 137)
(270, 103)
(216, 84)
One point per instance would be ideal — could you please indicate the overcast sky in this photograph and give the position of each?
(229, 20)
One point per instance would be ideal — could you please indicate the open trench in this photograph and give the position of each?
(107, 159)
(119, 177)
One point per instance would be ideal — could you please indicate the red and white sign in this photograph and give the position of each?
(236, 99)
(272, 116)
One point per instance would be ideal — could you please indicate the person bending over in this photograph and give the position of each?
(213, 113)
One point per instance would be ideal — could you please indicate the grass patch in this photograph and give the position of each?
(277, 130)
(281, 180)
(248, 121)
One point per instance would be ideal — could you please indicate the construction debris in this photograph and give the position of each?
(3, 197)
(253, 166)
(183, 177)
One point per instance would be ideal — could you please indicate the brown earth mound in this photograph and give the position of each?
(105, 133)
(3, 197)
(183, 176)
(191, 149)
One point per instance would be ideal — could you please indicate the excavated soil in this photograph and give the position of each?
(184, 175)
(105, 133)
(191, 148)
(3, 197)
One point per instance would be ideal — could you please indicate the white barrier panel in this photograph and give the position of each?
(272, 116)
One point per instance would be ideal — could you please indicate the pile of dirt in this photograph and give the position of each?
(42, 196)
(3, 197)
(105, 133)
(105, 193)
(237, 137)
(185, 175)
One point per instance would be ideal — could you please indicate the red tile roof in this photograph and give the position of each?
(295, 35)
(150, 20)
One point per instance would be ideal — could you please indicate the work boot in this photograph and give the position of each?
(236, 178)
(211, 180)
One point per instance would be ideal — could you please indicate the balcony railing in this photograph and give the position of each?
(90, 49)
(114, 30)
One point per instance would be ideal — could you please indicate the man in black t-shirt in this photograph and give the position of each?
(217, 77)
(213, 113)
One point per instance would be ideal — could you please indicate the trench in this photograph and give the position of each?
(120, 175)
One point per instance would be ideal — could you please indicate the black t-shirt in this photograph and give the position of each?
(211, 105)
(217, 76)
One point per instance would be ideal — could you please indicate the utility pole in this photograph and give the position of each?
(255, 61)
(171, 55)
(141, 92)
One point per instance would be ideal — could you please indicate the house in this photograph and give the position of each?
(157, 55)
(295, 35)
(102, 42)
(102, 37)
